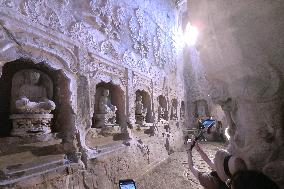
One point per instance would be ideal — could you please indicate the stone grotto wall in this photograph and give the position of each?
(240, 52)
(86, 47)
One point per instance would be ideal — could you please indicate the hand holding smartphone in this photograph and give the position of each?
(127, 184)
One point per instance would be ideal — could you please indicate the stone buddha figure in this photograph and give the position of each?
(174, 113)
(106, 108)
(161, 112)
(32, 97)
(31, 103)
(182, 114)
(140, 111)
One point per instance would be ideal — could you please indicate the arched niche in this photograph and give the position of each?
(182, 111)
(163, 108)
(201, 108)
(117, 98)
(63, 116)
(146, 100)
(174, 112)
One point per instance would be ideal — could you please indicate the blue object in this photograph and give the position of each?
(127, 184)
(208, 122)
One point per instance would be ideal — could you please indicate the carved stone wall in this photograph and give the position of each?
(132, 46)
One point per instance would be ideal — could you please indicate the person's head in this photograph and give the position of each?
(252, 179)
(227, 165)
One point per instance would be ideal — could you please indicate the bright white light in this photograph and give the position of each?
(227, 133)
(191, 34)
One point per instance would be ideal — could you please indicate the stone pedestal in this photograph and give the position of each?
(104, 120)
(163, 122)
(31, 124)
(106, 131)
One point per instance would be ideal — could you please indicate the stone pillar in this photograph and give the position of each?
(130, 98)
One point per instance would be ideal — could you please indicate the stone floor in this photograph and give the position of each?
(174, 173)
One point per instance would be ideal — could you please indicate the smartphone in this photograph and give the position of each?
(208, 122)
(127, 184)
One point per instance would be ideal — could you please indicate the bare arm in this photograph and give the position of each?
(194, 171)
(205, 157)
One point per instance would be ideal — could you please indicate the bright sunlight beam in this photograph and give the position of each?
(191, 34)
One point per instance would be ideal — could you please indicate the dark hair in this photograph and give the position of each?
(252, 179)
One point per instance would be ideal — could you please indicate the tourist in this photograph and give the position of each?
(224, 166)
(251, 179)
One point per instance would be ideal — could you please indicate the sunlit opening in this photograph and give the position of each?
(191, 34)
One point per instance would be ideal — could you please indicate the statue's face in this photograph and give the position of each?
(106, 92)
(139, 98)
(34, 77)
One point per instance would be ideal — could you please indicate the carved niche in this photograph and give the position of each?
(174, 112)
(109, 105)
(162, 109)
(106, 112)
(182, 112)
(31, 103)
(143, 109)
(201, 109)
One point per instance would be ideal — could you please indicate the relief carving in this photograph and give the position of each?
(109, 49)
(141, 83)
(129, 58)
(7, 3)
(39, 11)
(80, 32)
(140, 36)
(172, 57)
(159, 49)
(96, 65)
(66, 54)
(141, 65)
(8, 47)
(164, 51)
(108, 19)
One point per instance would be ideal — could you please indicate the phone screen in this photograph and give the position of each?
(127, 184)
(207, 123)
